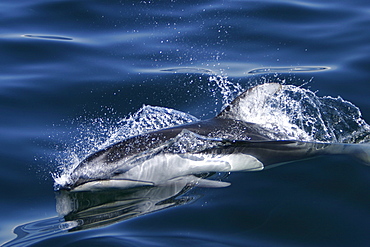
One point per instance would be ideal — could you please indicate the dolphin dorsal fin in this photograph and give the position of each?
(253, 97)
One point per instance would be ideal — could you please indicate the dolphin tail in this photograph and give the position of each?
(360, 152)
(273, 153)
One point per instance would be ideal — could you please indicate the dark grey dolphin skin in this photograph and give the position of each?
(241, 146)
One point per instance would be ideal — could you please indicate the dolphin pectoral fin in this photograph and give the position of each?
(111, 184)
(201, 163)
(230, 163)
(243, 162)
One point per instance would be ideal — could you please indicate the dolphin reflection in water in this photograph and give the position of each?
(187, 153)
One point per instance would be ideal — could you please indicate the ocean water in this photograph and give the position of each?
(71, 72)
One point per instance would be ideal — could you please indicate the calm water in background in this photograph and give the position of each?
(65, 62)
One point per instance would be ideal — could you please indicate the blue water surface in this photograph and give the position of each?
(64, 62)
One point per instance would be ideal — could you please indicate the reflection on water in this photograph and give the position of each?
(289, 69)
(85, 210)
(100, 208)
(48, 37)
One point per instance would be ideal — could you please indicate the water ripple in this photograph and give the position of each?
(50, 37)
(289, 69)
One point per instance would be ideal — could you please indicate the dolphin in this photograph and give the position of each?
(219, 144)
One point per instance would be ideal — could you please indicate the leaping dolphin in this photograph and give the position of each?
(227, 145)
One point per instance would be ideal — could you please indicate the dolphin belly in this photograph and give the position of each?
(168, 168)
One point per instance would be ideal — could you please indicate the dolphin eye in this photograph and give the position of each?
(120, 171)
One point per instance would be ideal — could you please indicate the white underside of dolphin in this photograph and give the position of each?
(172, 168)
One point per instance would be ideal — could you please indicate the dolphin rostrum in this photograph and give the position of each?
(186, 153)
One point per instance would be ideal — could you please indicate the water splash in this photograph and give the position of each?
(302, 115)
(100, 133)
(149, 118)
(227, 89)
